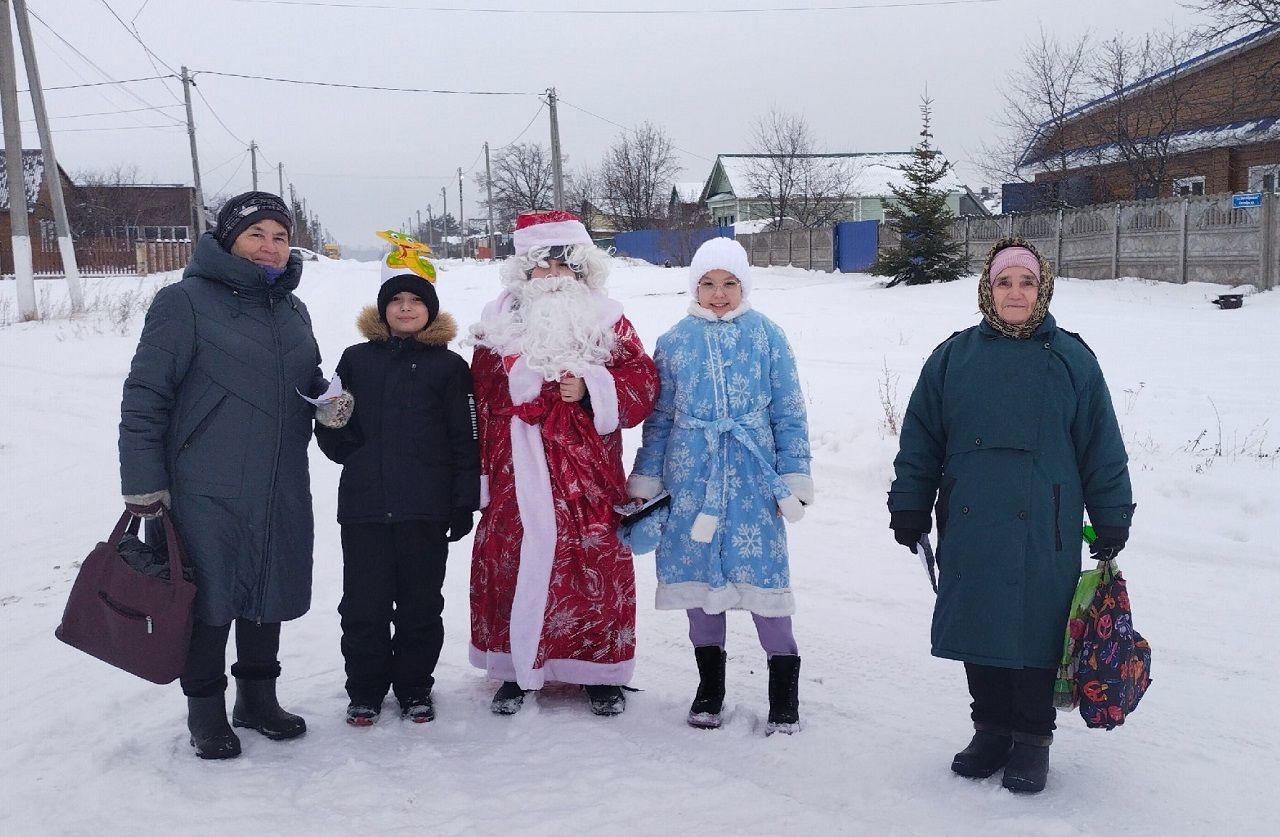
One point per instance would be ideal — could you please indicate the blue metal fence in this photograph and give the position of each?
(663, 246)
(856, 245)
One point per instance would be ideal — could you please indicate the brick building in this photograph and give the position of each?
(1208, 125)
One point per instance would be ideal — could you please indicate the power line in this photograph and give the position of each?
(365, 86)
(152, 57)
(230, 132)
(243, 154)
(843, 7)
(119, 128)
(108, 112)
(628, 130)
(541, 104)
(113, 82)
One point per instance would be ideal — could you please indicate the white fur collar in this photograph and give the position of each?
(705, 313)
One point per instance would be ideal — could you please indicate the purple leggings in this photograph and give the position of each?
(774, 631)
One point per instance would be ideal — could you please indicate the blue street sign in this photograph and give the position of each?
(1244, 200)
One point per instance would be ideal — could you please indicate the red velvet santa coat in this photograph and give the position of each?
(552, 589)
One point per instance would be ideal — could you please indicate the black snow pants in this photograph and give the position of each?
(1016, 699)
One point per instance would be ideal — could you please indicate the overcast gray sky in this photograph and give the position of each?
(367, 160)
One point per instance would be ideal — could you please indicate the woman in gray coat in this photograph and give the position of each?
(1011, 428)
(212, 427)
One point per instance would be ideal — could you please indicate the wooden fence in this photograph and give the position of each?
(102, 256)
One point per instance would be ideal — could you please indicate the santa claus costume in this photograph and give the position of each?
(558, 372)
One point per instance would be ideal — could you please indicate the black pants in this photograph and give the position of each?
(1015, 699)
(392, 573)
(257, 647)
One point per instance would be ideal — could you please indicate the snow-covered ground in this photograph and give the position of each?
(86, 749)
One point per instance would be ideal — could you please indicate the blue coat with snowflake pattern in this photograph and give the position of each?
(729, 438)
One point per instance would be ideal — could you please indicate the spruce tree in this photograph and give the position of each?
(919, 213)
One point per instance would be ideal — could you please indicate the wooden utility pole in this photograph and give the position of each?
(444, 220)
(462, 218)
(23, 270)
(253, 162)
(195, 158)
(431, 230)
(417, 231)
(62, 223)
(488, 185)
(556, 179)
(280, 172)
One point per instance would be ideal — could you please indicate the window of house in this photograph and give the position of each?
(1189, 186)
(1264, 178)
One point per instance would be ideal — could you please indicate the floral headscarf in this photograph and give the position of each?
(986, 299)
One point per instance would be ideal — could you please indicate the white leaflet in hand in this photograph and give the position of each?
(334, 390)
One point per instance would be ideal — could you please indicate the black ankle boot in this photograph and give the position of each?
(508, 699)
(986, 753)
(257, 708)
(212, 737)
(606, 700)
(784, 694)
(1028, 766)
(709, 701)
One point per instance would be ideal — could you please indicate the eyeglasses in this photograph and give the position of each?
(571, 254)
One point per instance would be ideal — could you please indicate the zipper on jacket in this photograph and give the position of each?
(275, 461)
(1057, 511)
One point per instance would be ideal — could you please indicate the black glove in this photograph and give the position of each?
(908, 527)
(1110, 540)
(460, 523)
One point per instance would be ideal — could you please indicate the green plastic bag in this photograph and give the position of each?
(1064, 688)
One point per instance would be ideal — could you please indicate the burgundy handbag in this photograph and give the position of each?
(137, 622)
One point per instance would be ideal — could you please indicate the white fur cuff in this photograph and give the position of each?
(604, 398)
(704, 527)
(638, 485)
(484, 491)
(791, 508)
(801, 485)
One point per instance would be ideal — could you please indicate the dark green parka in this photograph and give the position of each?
(211, 412)
(1015, 438)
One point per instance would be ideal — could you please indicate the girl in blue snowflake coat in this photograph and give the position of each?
(729, 439)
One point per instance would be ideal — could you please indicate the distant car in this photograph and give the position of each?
(305, 254)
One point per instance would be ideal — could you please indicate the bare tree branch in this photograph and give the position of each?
(521, 181)
(792, 177)
(636, 176)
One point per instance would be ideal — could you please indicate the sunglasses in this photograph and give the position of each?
(571, 254)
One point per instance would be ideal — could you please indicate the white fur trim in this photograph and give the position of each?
(704, 527)
(720, 254)
(801, 485)
(583, 672)
(604, 398)
(707, 314)
(638, 485)
(791, 509)
(537, 547)
(550, 233)
(687, 595)
(484, 491)
(524, 383)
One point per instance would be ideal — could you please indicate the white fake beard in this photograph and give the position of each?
(555, 327)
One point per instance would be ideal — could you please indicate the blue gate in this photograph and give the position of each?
(856, 245)
(663, 246)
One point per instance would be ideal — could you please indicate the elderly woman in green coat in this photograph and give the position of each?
(1011, 430)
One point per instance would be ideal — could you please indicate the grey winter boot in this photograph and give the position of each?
(1028, 766)
(784, 694)
(212, 737)
(257, 708)
(986, 753)
(709, 701)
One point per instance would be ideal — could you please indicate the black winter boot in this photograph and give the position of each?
(257, 708)
(508, 700)
(1028, 766)
(709, 701)
(986, 753)
(212, 737)
(606, 700)
(784, 694)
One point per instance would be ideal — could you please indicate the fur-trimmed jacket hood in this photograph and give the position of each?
(440, 332)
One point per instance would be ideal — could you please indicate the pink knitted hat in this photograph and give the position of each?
(1014, 256)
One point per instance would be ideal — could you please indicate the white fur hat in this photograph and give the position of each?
(720, 254)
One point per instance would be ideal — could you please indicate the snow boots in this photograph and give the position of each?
(606, 700)
(420, 710)
(986, 753)
(211, 735)
(257, 708)
(709, 700)
(784, 694)
(362, 714)
(508, 699)
(1028, 766)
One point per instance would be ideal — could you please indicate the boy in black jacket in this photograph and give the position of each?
(410, 486)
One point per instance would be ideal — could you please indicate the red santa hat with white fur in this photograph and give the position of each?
(547, 228)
